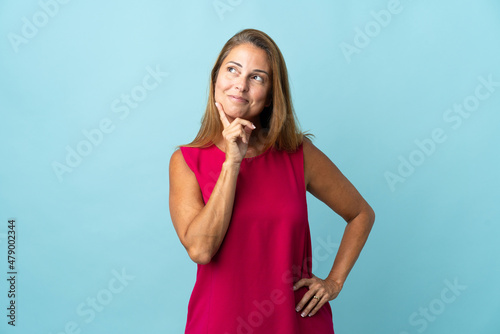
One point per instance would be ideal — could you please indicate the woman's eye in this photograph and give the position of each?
(231, 69)
(258, 78)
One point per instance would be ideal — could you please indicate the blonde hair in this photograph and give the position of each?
(278, 120)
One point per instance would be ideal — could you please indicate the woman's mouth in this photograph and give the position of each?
(237, 99)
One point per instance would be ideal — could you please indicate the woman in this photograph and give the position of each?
(238, 203)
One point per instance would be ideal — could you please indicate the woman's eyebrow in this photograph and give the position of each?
(256, 70)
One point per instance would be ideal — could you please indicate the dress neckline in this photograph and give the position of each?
(249, 158)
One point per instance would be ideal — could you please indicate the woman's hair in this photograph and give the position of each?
(279, 124)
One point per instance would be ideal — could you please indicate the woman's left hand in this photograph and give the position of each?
(320, 292)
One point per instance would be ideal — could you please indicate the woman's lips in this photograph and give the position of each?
(237, 99)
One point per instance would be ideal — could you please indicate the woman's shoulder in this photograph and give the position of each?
(177, 158)
(308, 147)
(194, 156)
(315, 161)
(187, 149)
(181, 154)
(313, 154)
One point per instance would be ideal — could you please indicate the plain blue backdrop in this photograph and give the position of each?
(403, 96)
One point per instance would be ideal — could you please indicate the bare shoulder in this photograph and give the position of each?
(180, 174)
(177, 159)
(178, 164)
(183, 182)
(315, 161)
(310, 150)
(327, 183)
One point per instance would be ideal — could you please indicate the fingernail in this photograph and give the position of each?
(297, 309)
(294, 288)
(253, 126)
(303, 314)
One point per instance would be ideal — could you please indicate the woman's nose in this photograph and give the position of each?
(241, 84)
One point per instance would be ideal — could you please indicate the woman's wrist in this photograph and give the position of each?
(231, 164)
(338, 281)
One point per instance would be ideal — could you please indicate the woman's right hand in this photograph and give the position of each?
(236, 136)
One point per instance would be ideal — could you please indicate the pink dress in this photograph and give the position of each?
(247, 286)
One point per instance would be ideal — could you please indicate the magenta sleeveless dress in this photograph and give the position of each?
(247, 286)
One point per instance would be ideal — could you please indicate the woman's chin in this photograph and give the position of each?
(235, 114)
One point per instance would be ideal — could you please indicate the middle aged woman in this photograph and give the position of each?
(238, 203)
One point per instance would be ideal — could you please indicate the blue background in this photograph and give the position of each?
(109, 216)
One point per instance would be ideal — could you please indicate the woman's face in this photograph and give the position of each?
(243, 83)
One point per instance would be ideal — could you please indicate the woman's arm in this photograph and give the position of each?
(325, 181)
(201, 228)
